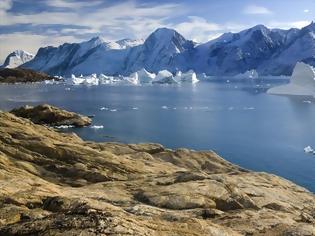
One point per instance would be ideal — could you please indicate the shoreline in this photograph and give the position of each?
(57, 183)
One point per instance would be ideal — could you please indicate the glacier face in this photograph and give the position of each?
(17, 58)
(265, 51)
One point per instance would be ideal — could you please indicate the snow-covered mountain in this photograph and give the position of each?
(17, 58)
(259, 49)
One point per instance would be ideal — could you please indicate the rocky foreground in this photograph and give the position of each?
(56, 184)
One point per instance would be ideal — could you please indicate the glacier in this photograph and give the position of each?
(302, 82)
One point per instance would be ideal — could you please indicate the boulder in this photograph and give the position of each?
(50, 115)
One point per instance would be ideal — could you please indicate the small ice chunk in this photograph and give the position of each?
(97, 127)
(135, 108)
(307, 101)
(113, 110)
(64, 126)
(309, 149)
(164, 107)
(104, 109)
(249, 108)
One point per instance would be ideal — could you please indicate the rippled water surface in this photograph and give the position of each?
(239, 120)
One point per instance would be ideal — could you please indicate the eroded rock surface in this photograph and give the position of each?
(50, 115)
(56, 184)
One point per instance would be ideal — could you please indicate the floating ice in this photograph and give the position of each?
(135, 108)
(164, 107)
(307, 101)
(113, 110)
(164, 77)
(64, 126)
(302, 82)
(104, 108)
(145, 77)
(309, 149)
(132, 79)
(189, 77)
(250, 74)
(97, 127)
(249, 108)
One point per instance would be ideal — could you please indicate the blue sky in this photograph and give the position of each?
(30, 24)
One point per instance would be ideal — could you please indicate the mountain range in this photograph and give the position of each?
(268, 51)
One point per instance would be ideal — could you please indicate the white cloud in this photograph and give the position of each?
(201, 30)
(306, 10)
(256, 10)
(288, 25)
(28, 42)
(197, 28)
(71, 4)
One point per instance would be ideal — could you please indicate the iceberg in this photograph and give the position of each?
(85, 80)
(250, 74)
(164, 77)
(189, 76)
(145, 77)
(91, 80)
(309, 149)
(104, 79)
(76, 80)
(302, 82)
(132, 79)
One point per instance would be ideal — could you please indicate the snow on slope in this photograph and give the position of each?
(17, 58)
(302, 82)
(268, 52)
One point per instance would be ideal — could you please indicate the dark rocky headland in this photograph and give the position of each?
(21, 75)
(53, 183)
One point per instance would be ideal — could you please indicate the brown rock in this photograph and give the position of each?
(50, 115)
(21, 75)
(56, 184)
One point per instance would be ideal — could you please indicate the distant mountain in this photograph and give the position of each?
(268, 51)
(17, 58)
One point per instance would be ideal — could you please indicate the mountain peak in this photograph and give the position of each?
(164, 36)
(310, 27)
(17, 58)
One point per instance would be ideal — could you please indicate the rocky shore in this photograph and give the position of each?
(57, 184)
(21, 75)
(53, 116)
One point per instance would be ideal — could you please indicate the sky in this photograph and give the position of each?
(30, 24)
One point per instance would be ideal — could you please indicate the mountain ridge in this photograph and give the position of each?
(268, 51)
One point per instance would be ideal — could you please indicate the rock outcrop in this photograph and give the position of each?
(21, 75)
(50, 115)
(56, 184)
